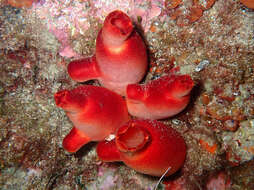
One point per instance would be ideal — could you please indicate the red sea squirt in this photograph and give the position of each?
(160, 98)
(120, 58)
(147, 146)
(96, 112)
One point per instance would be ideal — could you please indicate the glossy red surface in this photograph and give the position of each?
(120, 57)
(147, 146)
(161, 98)
(95, 111)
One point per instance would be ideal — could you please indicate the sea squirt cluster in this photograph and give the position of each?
(120, 62)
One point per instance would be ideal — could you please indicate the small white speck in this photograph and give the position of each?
(110, 137)
(202, 65)
(176, 121)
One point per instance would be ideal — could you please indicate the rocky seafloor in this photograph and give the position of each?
(214, 46)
